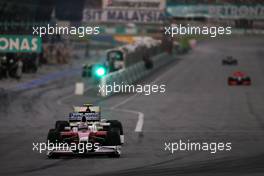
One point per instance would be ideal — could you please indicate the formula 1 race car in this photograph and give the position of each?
(239, 78)
(229, 60)
(85, 133)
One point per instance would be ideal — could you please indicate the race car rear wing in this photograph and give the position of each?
(77, 116)
(86, 109)
(91, 113)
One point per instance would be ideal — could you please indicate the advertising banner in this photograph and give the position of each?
(218, 11)
(118, 15)
(20, 44)
(134, 4)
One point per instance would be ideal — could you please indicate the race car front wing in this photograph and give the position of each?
(101, 150)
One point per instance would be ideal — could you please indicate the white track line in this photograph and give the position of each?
(140, 115)
(140, 122)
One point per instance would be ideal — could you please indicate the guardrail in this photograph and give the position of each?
(133, 73)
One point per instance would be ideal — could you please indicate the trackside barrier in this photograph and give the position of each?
(133, 73)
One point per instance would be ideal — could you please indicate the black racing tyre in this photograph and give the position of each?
(60, 125)
(53, 136)
(113, 137)
(116, 124)
(53, 139)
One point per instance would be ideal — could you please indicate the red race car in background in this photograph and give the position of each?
(239, 78)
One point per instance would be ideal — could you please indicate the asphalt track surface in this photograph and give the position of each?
(198, 105)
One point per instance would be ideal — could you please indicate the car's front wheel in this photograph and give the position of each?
(113, 137)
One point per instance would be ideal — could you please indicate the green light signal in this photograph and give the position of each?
(100, 71)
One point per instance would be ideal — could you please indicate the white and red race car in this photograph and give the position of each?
(85, 133)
